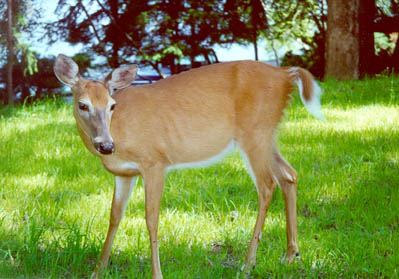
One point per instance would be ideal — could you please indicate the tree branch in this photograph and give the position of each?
(9, 99)
(154, 65)
(100, 42)
(271, 35)
(316, 20)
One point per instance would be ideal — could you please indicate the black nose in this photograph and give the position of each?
(105, 147)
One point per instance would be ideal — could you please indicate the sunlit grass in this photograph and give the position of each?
(55, 198)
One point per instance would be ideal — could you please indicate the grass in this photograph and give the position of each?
(55, 198)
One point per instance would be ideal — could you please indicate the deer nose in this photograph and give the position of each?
(105, 147)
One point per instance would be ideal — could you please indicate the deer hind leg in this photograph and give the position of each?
(286, 177)
(123, 189)
(259, 158)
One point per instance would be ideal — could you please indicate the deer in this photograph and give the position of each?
(186, 120)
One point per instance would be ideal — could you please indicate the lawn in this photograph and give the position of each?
(55, 198)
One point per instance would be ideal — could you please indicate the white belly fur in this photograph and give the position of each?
(209, 161)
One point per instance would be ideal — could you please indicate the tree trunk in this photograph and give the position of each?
(114, 60)
(367, 12)
(172, 66)
(206, 57)
(256, 47)
(215, 56)
(270, 35)
(10, 95)
(275, 52)
(350, 38)
(395, 57)
(342, 49)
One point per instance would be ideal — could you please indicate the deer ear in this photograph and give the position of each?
(121, 77)
(66, 70)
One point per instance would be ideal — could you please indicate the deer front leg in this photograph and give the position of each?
(123, 189)
(154, 184)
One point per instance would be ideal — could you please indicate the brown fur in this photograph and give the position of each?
(190, 117)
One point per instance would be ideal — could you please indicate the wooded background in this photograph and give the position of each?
(342, 39)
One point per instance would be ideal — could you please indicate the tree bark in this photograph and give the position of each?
(10, 94)
(342, 44)
(350, 38)
(114, 59)
(395, 57)
(215, 56)
(367, 12)
(256, 47)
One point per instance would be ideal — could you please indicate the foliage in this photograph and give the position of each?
(298, 24)
(383, 44)
(170, 33)
(157, 32)
(24, 22)
(246, 21)
(387, 7)
(304, 23)
(22, 18)
(387, 46)
(185, 30)
(56, 197)
(111, 29)
(312, 59)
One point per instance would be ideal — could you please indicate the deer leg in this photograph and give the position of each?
(154, 184)
(123, 188)
(286, 176)
(259, 159)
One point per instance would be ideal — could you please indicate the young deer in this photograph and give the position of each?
(184, 120)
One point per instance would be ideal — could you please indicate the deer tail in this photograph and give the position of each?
(309, 90)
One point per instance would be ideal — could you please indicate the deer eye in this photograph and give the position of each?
(83, 106)
(112, 107)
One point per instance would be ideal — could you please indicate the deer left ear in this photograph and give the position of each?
(121, 77)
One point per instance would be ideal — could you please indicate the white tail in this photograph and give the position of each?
(187, 119)
(309, 91)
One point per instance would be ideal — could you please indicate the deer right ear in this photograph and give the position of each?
(66, 70)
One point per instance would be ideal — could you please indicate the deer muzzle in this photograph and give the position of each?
(105, 148)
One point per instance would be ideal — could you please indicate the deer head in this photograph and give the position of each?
(93, 104)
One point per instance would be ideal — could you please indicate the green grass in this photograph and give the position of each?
(55, 198)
